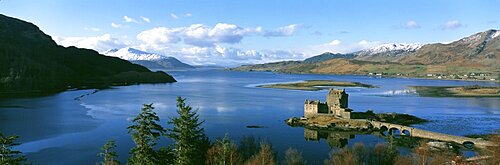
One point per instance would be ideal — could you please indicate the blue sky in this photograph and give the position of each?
(229, 32)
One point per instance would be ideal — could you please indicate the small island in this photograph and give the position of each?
(457, 91)
(315, 85)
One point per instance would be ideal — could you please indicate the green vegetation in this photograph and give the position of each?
(145, 132)
(7, 154)
(315, 85)
(457, 91)
(396, 118)
(109, 154)
(191, 143)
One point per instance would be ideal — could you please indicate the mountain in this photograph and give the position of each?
(327, 55)
(387, 52)
(480, 49)
(31, 62)
(477, 53)
(149, 60)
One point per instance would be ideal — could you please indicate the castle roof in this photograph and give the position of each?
(335, 91)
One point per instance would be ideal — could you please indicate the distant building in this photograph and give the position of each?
(336, 105)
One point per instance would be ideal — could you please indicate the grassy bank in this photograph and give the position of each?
(315, 85)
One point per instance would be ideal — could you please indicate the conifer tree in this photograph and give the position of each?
(145, 132)
(191, 143)
(7, 155)
(109, 154)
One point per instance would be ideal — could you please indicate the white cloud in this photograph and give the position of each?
(282, 31)
(146, 19)
(116, 25)
(160, 37)
(174, 16)
(197, 35)
(130, 20)
(336, 46)
(228, 56)
(188, 14)
(94, 29)
(412, 25)
(453, 24)
(98, 43)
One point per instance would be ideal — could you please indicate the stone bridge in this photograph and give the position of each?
(415, 132)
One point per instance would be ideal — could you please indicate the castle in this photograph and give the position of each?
(335, 105)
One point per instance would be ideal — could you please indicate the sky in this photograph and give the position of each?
(229, 32)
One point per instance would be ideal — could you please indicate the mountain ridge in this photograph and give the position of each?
(477, 53)
(31, 62)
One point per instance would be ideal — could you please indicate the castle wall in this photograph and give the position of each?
(310, 109)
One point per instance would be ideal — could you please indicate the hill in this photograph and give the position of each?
(473, 57)
(149, 60)
(31, 62)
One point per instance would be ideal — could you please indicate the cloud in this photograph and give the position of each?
(197, 35)
(228, 56)
(453, 24)
(188, 14)
(174, 16)
(98, 43)
(282, 31)
(116, 25)
(160, 37)
(94, 29)
(412, 25)
(337, 46)
(129, 20)
(145, 19)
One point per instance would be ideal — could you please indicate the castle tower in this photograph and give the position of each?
(337, 98)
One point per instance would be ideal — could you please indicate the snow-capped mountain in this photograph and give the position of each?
(393, 47)
(149, 60)
(132, 54)
(387, 52)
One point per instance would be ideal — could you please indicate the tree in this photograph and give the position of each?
(265, 156)
(7, 155)
(344, 156)
(109, 154)
(145, 132)
(293, 157)
(248, 147)
(223, 152)
(191, 143)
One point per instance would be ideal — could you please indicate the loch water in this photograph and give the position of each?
(70, 127)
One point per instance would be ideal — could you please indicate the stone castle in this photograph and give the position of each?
(335, 105)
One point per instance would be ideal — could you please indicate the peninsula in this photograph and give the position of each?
(315, 85)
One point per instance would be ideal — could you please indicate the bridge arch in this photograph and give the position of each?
(468, 144)
(393, 130)
(406, 132)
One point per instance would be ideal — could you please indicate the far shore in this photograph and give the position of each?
(458, 91)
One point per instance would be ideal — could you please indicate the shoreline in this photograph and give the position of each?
(386, 76)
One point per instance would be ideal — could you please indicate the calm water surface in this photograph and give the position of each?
(60, 129)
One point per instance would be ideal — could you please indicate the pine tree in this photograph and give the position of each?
(191, 143)
(145, 132)
(7, 155)
(109, 154)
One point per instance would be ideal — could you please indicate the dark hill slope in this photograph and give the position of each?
(30, 62)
